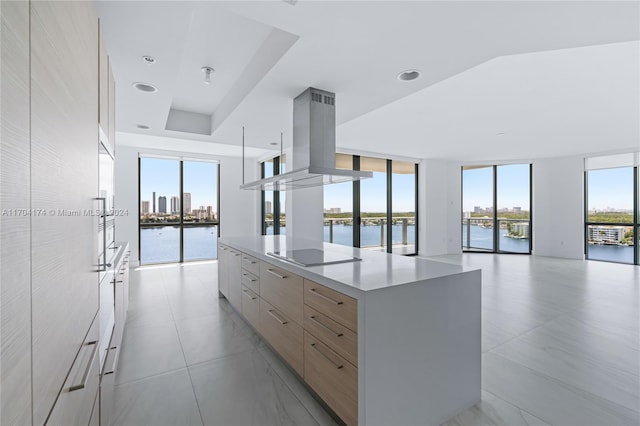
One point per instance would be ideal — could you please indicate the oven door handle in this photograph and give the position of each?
(102, 267)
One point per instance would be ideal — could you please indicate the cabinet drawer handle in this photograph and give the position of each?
(249, 295)
(253, 262)
(271, 271)
(337, 366)
(85, 376)
(334, 301)
(250, 279)
(112, 369)
(313, 318)
(273, 314)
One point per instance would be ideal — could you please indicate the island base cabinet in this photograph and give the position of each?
(251, 307)
(283, 334)
(235, 282)
(282, 289)
(333, 378)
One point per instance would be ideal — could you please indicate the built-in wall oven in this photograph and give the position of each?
(107, 249)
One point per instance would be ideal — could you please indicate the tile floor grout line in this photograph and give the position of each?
(287, 384)
(574, 389)
(193, 388)
(525, 332)
(152, 376)
(184, 356)
(514, 406)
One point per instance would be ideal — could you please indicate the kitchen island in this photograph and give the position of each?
(382, 339)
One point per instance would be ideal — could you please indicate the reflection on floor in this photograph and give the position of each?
(560, 341)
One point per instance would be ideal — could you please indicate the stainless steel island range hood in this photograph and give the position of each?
(314, 147)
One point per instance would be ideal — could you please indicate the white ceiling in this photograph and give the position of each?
(557, 78)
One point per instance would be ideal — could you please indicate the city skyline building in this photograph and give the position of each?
(144, 207)
(154, 202)
(175, 205)
(186, 202)
(609, 234)
(162, 204)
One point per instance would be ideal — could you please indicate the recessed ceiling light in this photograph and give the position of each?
(149, 60)
(408, 75)
(143, 126)
(145, 87)
(208, 72)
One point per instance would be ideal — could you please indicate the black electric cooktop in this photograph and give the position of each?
(313, 257)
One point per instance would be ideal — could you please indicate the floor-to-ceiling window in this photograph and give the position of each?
(273, 202)
(611, 204)
(496, 208)
(178, 210)
(374, 203)
(338, 207)
(404, 202)
(377, 213)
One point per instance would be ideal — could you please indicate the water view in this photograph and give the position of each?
(482, 238)
(162, 244)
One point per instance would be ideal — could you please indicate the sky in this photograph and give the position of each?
(513, 187)
(163, 177)
(373, 194)
(607, 189)
(610, 188)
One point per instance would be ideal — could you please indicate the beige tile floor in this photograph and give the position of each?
(560, 344)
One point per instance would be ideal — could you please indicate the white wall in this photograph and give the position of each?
(239, 209)
(440, 206)
(558, 207)
(126, 198)
(305, 213)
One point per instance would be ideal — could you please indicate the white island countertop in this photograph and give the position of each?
(376, 270)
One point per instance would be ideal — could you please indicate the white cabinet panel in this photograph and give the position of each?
(15, 239)
(64, 181)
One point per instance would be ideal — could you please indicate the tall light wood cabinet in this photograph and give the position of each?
(64, 179)
(15, 237)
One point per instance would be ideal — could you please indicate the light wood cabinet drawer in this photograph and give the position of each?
(251, 307)
(283, 334)
(251, 264)
(251, 281)
(282, 289)
(332, 377)
(337, 306)
(335, 335)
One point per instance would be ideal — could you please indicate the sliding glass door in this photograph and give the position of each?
(178, 210)
(611, 217)
(496, 208)
(200, 212)
(477, 206)
(378, 213)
